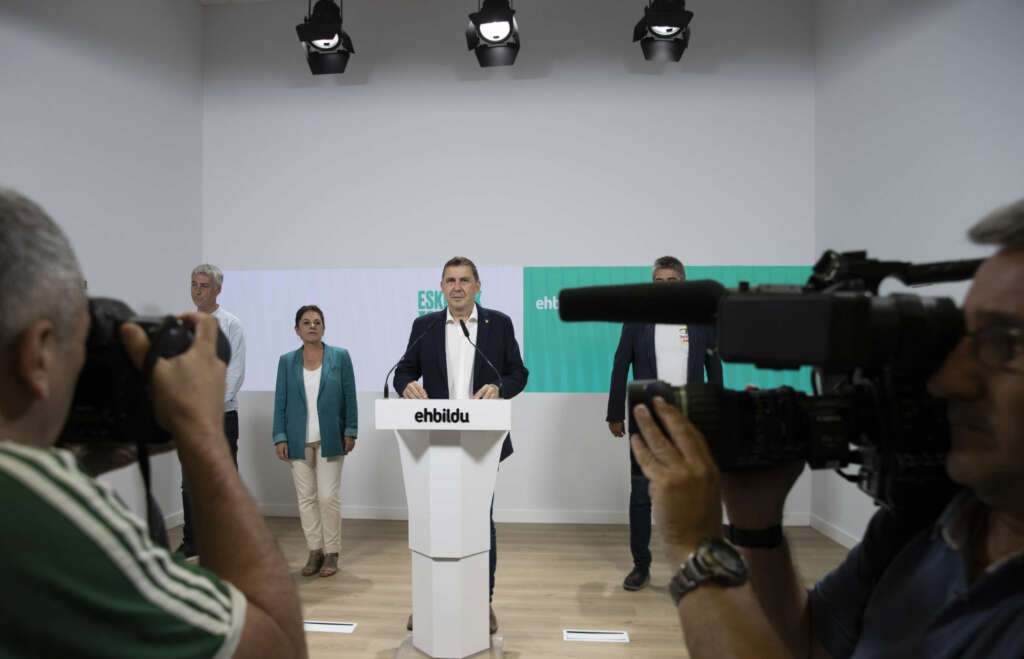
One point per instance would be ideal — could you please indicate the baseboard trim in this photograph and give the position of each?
(796, 519)
(174, 519)
(520, 516)
(833, 532)
(507, 516)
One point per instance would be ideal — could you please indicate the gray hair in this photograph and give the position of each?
(211, 271)
(1003, 227)
(670, 263)
(39, 274)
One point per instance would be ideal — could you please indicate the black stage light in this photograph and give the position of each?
(493, 33)
(327, 45)
(664, 31)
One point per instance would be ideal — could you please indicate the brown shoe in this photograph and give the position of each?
(408, 625)
(313, 563)
(330, 567)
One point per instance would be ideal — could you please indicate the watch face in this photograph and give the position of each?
(730, 561)
(717, 552)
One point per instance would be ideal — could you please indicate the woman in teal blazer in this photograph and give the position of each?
(315, 426)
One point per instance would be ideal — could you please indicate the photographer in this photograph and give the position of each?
(81, 576)
(941, 587)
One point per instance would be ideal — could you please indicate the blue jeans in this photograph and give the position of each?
(639, 516)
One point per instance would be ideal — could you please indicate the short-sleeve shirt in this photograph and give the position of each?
(901, 594)
(81, 578)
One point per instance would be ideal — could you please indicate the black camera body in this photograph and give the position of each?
(112, 401)
(872, 356)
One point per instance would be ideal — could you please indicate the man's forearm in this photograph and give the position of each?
(781, 595)
(722, 621)
(234, 541)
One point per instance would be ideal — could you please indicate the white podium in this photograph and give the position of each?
(450, 451)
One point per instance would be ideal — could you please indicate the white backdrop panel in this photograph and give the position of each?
(368, 311)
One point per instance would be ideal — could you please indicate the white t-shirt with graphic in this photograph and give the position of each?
(672, 353)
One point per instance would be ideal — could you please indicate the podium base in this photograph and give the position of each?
(449, 605)
(407, 651)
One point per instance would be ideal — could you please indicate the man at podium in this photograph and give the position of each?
(463, 351)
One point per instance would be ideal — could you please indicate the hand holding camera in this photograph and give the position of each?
(683, 475)
(187, 390)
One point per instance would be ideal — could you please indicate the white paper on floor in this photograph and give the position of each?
(333, 627)
(594, 636)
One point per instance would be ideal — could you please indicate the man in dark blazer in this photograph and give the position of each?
(450, 366)
(637, 348)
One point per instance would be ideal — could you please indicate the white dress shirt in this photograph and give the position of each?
(232, 328)
(459, 355)
(672, 353)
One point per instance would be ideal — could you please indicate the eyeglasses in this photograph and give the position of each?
(999, 346)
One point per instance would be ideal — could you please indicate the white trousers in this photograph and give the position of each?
(318, 489)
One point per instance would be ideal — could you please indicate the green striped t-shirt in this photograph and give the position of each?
(81, 578)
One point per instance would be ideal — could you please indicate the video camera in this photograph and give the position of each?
(871, 354)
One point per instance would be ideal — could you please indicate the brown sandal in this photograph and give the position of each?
(330, 565)
(316, 559)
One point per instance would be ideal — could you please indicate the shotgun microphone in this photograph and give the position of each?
(669, 302)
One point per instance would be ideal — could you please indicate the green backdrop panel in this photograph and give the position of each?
(577, 357)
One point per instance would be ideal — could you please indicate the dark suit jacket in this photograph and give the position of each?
(495, 337)
(636, 347)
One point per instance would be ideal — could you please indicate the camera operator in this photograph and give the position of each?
(81, 577)
(941, 587)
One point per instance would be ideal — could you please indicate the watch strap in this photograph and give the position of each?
(768, 538)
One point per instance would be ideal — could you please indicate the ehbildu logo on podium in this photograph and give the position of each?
(442, 416)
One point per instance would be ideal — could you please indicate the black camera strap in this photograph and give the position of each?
(154, 517)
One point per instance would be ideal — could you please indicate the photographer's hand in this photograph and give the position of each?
(684, 479)
(716, 621)
(617, 428)
(188, 390)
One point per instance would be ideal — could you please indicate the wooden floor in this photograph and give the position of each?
(550, 577)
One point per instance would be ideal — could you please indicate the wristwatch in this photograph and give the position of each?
(713, 560)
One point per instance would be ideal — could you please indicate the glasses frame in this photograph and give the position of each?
(1005, 344)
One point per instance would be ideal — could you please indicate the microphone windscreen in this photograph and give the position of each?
(664, 302)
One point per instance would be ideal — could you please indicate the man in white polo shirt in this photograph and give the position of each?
(677, 354)
(206, 285)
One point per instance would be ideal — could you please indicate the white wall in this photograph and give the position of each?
(101, 117)
(917, 135)
(580, 154)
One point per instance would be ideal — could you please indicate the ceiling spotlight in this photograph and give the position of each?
(664, 31)
(493, 33)
(327, 45)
